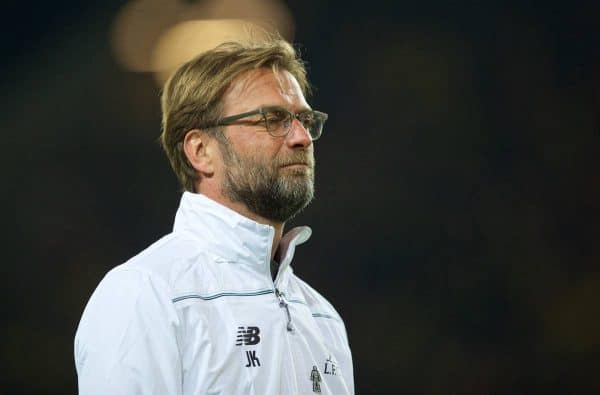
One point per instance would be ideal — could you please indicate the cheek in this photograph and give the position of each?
(258, 149)
(256, 144)
(267, 152)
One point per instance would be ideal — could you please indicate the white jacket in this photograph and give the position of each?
(198, 313)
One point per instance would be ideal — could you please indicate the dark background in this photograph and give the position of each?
(456, 220)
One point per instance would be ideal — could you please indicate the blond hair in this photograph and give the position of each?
(192, 96)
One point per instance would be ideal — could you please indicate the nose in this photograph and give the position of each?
(298, 137)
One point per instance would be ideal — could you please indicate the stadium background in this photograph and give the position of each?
(456, 219)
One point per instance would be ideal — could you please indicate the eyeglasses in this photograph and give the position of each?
(277, 121)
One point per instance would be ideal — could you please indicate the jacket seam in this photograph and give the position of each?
(222, 294)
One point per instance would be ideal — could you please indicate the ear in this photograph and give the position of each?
(196, 148)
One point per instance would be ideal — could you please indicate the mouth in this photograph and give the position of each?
(296, 165)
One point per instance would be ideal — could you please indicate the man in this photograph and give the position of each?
(214, 307)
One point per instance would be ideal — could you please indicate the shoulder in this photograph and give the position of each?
(125, 297)
(136, 291)
(170, 262)
(162, 257)
(129, 318)
(155, 274)
(150, 275)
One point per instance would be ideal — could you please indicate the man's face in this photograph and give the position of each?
(272, 176)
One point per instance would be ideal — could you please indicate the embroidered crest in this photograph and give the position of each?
(315, 377)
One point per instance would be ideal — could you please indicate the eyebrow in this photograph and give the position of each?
(274, 107)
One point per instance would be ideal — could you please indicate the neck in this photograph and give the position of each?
(242, 209)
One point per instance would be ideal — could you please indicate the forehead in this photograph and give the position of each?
(263, 87)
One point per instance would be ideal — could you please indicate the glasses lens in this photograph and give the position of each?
(277, 122)
(313, 122)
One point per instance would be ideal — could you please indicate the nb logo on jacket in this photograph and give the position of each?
(248, 336)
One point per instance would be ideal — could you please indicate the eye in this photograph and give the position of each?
(276, 116)
(277, 119)
(307, 119)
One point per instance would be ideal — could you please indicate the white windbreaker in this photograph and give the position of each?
(198, 313)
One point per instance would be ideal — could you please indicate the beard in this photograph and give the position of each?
(268, 189)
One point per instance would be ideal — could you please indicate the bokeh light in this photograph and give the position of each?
(156, 36)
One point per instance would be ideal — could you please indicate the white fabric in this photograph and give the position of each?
(169, 320)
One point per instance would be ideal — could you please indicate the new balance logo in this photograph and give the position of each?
(248, 336)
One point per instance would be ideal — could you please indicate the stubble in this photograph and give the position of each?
(272, 190)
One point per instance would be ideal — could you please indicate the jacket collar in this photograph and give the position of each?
(232, 236)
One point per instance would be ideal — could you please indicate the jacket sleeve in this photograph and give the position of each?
(126, 342)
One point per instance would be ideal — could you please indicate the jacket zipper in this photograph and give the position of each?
(283, 304)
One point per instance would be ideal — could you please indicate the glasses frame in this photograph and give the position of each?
(233, 119)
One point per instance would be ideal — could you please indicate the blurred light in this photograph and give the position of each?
(135, 30)
(187, 39)
(158, 35)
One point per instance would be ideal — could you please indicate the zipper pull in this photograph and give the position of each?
(284, 304)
